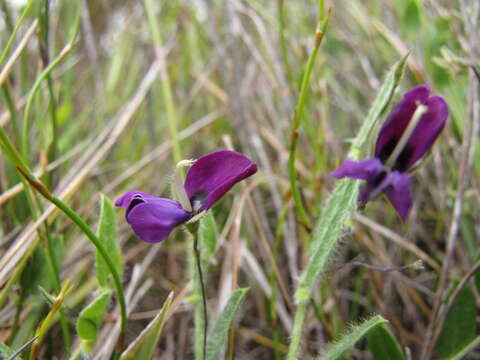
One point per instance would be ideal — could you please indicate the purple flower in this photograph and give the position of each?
(207, 180)
(388, 171)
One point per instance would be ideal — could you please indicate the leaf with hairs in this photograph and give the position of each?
(335, 350)
(222, 325)
(383, 344)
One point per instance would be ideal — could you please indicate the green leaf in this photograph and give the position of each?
(107, 234)
(334, 351)
(91, 317)
(222, 325)
(207, 235)
(468, 347)
(143, 347)
(460, 325)
(383, 344)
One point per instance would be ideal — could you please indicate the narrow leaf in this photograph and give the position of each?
(107, 234)
(383, 344)
(91, 317)
(222, 325)
(336, 350)
(143, 347)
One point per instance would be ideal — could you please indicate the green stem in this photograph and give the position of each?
(91, 236)
(196, 254)
(298, 119)
(294, 347)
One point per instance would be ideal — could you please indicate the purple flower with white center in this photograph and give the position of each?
(207, 180)
(405, 137)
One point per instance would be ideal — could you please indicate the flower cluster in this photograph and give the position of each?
(401, 143)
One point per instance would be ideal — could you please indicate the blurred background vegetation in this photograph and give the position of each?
(137, 86)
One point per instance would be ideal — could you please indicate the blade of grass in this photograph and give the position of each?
(26, 128)
(302, 100)
(18, 51)
(165, 80)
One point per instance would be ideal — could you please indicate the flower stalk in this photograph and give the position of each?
(193, 229)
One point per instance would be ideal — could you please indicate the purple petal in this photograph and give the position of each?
(426, 132)
(152, 218)
(398, 120)
(212, 175)
(361, 170)
(378, 182)
(124, 200)
(399, 194)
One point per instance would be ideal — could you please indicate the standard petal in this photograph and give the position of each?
(362, 170)
(399, 194)
(152, 218)
(426, 132)
(398, 120)
(212, 175)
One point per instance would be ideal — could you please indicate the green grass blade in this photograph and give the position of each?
(222, 325)
(302, 100)
(165, 81)
(336, 350)
(12, 36)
